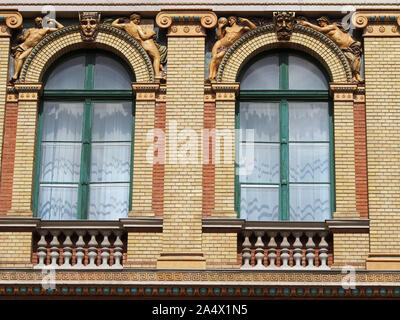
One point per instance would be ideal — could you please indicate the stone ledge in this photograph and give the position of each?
(348, 225)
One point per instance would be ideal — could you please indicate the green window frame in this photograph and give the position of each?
(88, 96)
(282, 96)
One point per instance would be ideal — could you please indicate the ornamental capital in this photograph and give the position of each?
(9, 19)
(343, 91)
(28, 91)
(186, 23)
(382, 23)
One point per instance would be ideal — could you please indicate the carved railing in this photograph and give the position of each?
(79, 245)
(285, 246)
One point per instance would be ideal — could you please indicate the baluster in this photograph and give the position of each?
(323, 252)
(80, 249)
(54, 248)
(42, 249)
(105, 250)
(67, 249)
(92, 252)
(272, 251)
(310, 250)
(285, 251)
(297, 252)
(246, 250)
(259, 250)
(117, 251)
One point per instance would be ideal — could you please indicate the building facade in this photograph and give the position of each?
(200, 149)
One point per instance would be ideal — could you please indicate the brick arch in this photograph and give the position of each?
(303, 38)
(67, 39)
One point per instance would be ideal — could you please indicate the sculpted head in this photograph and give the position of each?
(323, 21)
(135, 18)
(89, 25)
(232, 20)
(284, 23)
(38, 22)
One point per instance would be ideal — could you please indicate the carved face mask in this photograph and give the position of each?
(284, 25)
(89, 27)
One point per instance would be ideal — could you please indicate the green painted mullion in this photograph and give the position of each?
(284, 160)
(284, 71)
(38, 159)
(237, 146)
(83, 191)
(132, 153)
(89, 72)
(332, 158)
(259, 183)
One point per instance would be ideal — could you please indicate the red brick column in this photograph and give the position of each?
(7, 165)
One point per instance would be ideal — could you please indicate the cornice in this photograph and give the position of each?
(378, 23)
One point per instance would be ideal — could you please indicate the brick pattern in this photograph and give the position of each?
(4, 59)
(350, 249)
(382, 86)
(360, 156)
(220, 250)
(299, 41)
(158, 167)
(24, 159)
(225, 167)
(143, 160)
(143, 249)
(15, 249)
(344, 160)
(7, 165)
(182, 228)
(48, 54)
(209, 159)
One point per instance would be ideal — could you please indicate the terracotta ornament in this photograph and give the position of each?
(145, 39)
(284, 23)
(27, 41)
(226, 35)
(351, 48)
(89, 25)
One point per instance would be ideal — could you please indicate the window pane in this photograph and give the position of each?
(112, 121)
(108, 201)
(259, 203)
(260, 164)
(70, 74)
(308, 121)
(305, 75)
(58, 202)
(262, 74)
(309, 202)
(110, 162)
(263, 118)
(110, 74)
(60, 162)
(309, 162)
(62, 121)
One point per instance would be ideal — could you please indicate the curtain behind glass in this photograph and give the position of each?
(110, 160)
(60, 160)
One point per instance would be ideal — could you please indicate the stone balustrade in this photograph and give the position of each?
(285, 246)
(79, 245)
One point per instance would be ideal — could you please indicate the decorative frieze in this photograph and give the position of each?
(28, 91)
(225, 91)
(343, 91)
(145, 91)
(378, 23)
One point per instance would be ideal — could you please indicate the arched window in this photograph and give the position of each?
(84, 139)
(286, 170)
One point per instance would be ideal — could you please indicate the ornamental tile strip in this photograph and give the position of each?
(47, 41)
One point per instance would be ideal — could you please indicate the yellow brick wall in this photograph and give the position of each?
(24, 159)
(220, 250)
(15, 249)
(182, 228)
(350, 249)
(143, 249)
(4, 58)
(142, 161)
(345, 183)
(225, 172)
(382, 86)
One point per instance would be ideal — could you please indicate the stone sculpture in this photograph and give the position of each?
(27, 41)
(284, 23)
(89, 25)
(351, 48)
